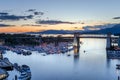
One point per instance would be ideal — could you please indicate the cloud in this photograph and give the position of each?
(32, 13)
(53, 22)
(116, 18)
(5, 25)
(38, 13)
(7, 16)
(35, 12)
(89, 28)
(98, 27)
(30, 25)
(31, 10)
(3, 13)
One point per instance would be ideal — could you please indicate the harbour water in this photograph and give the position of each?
(92, 63)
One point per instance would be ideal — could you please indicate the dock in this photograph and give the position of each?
(5, 64)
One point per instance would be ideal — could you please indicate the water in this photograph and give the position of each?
(91, 65)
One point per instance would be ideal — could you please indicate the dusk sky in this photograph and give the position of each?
(38, 15)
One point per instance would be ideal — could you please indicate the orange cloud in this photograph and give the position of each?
(19, 29)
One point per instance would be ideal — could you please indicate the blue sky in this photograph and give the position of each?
(67, 9)
(87, 11)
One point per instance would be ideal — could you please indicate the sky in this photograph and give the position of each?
(39, 15)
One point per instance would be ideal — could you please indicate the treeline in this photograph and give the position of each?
(3, 35)
(19, 39)
(24, 39)
(52, 39)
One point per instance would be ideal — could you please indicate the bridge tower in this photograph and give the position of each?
(76, 44)
(108, 46)
(119, 41)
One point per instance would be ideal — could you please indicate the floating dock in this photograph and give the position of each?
(5, 64)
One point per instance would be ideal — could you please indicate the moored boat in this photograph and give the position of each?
(24, 76)
(117, 66)
(3, 74)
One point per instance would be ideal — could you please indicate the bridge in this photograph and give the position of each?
(75, 38)
(63, 36)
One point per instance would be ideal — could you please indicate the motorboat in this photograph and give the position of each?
(117, 66)
(25, 73)
(24, 76)
(3, 74)
(69, 54)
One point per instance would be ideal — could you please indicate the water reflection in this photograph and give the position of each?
(108, 63)
(76, 51)
(118, 70)
(76, 59)
(76, 55)
(91, 66)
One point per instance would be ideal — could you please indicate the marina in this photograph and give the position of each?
(43, 48)
(79, 49)
(75, 51)
(59, 40)
(59, 66)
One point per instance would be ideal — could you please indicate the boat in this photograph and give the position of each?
(68, 55)
(25, 73)
(6, 64)
(26, 68)
(117, 66)
(24, 76)
(3, 74)
(43, 54)
(29, 52)
(17, 67)
(26, 53)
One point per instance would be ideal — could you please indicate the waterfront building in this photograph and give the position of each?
(119, 41)
(113, 46)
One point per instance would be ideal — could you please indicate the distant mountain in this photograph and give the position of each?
(55, 32)
(113, 30)
(97, 27)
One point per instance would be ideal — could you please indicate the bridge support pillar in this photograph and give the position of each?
(108, 46)
(119, 41)
(76, 44)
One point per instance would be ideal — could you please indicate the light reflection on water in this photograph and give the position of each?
(89, 65)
